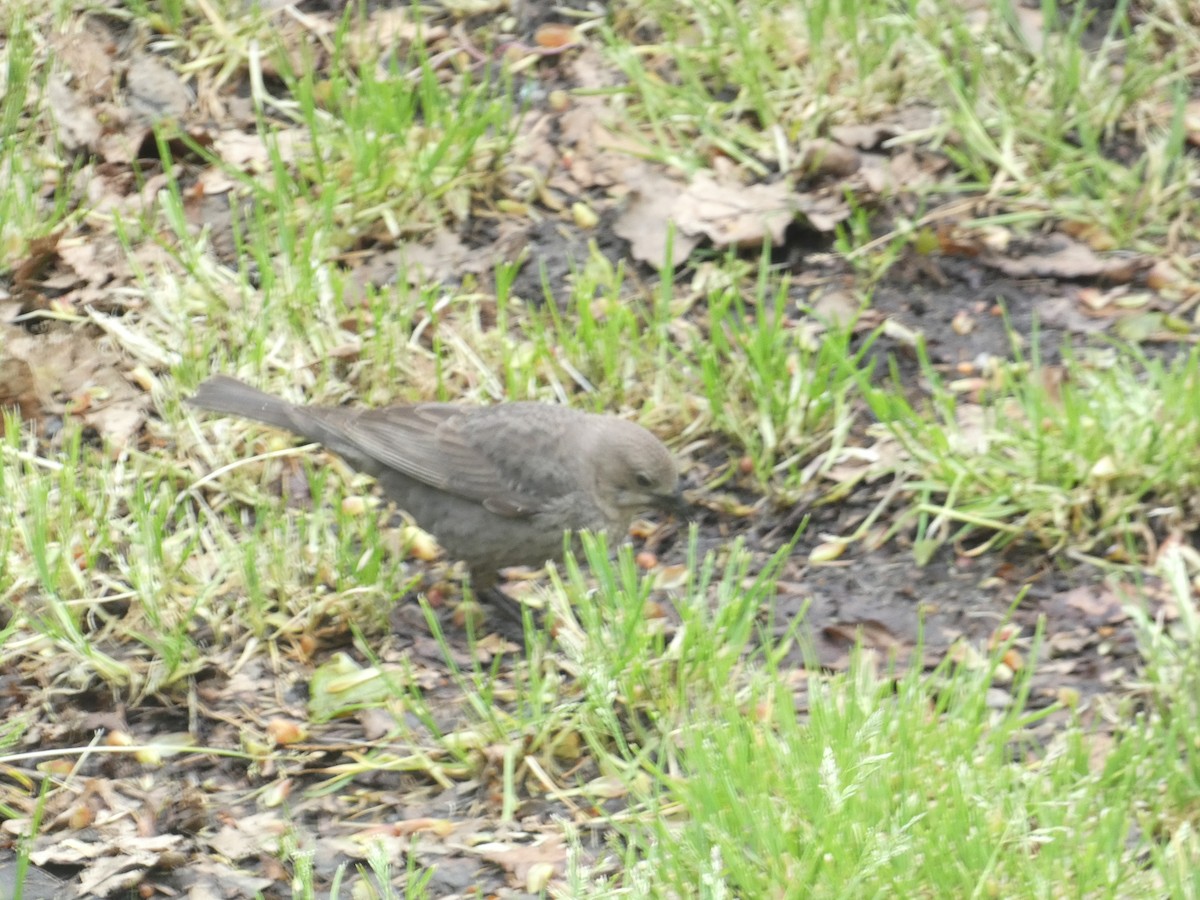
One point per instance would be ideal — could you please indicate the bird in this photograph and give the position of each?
(496, 485)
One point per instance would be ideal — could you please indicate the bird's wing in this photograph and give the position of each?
(431, 443)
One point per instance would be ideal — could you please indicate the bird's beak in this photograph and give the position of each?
(673, 503)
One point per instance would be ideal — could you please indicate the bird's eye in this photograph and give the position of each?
(643, 479)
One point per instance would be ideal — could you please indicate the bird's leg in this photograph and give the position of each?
(505, 607)
(508, 613)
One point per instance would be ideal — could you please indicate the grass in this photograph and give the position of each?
(753, 80)
(208, 585)
(1076, 457)
(888, 781)
(23, 214)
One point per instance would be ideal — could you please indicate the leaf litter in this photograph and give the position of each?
(70, 346)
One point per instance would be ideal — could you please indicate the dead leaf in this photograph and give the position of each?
(1092, 233)
(829, 158)
(64, 371)
(824, 210)
(872, 633)
(463, 9)
(40, 256)
(646, 222)
(1163, 276)
(74, 119)
(864, 137)
(122, 138)
(246, 836)
(521, 859)
(596, 155)
(18, 389)
(837, 308)
(735, 215)
(908, 170)
(1097, 605)
(155, 91)
(445, 258)
(88, 58)
(872, 136)
(250, 153)
(1067, 259)
(212, 879)
(1061, 312)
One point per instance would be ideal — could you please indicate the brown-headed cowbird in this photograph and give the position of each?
(496, 485)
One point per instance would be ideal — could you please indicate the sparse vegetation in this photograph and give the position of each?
(846, 259)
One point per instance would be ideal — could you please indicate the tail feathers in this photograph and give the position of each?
(223, 394)
(323, 424)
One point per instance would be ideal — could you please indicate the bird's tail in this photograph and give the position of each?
(223, 394)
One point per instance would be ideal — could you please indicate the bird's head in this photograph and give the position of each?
(634, 471)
